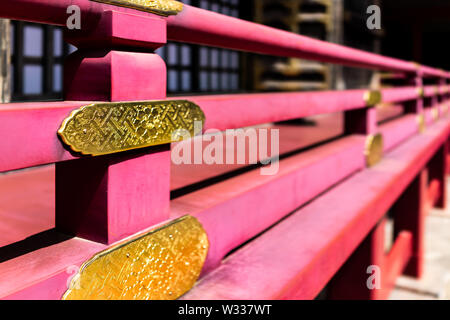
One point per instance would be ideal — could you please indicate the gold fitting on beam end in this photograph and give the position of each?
(163, 264)
(374, 149)
(421, 92)
(373, 97)
(421, 123)
(105, 128)
(160, 7)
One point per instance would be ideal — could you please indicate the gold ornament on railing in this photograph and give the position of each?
(373, 97)
(374, 149)
(163, 264)
(160, 7)
(104, 128)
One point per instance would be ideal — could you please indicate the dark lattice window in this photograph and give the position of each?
(38, 52)
(37, 58)
(194, 68)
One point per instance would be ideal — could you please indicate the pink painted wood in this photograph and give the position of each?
(219, 207)
(398, 130)
(352, 281)
(200, 26)
(109, 32)
(108, 198)
(114, 76)
(57, 280)
(331, 228)
(40, 121)
(203, 27)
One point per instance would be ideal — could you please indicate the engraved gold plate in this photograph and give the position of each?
(161, 265)
(374, 149)
(105, 128)
(373, 98)
(160, 7)
(421, 123)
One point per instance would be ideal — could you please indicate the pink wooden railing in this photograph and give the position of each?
(322, 215)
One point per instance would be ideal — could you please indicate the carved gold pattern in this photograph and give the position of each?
(105, 128)
(421, 123)
(161, 265)
(374, 149)
(373, 97)
(160, 7)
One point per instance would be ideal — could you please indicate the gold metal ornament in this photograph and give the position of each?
(104, 128)
(421, 123)
(373, 97)
(421, 92)
(161, 265)
(160, 7)
(374, 149)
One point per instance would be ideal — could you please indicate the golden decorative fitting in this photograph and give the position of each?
(104, 128)
(163, 264)
(373, 97)
(421, 123)
(374, 149)
(160, 7)
(421, 92)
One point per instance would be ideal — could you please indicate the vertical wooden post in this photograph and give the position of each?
(108, 198)
(5, 53)
(437, 169)
(356, 279)
(409, 215)
(415, 106)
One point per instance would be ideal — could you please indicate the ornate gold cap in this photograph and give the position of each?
(161, 265)
(373, 97)
(420, 92)
(374, 149)
(160, 7)
(105, 128)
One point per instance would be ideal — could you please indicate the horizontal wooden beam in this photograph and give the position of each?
(32, 127)
(203, 27)
(297, 257)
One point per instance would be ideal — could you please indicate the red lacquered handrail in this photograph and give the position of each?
(200, 26)
(204, 27)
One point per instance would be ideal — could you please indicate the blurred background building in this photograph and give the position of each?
(32, 55)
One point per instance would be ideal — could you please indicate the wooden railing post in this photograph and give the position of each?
(107, 198)
(415, 106)
(352, 280)
(409, 214)
(437, 170)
